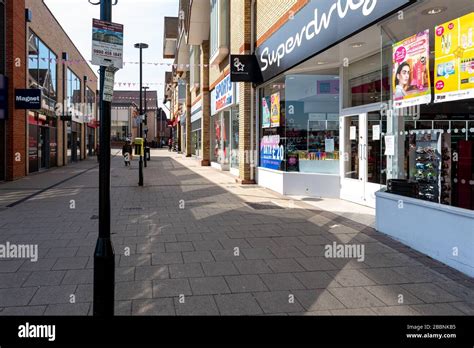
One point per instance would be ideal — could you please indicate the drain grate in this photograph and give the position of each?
(95, 217)
(264, 206)
(133, 208)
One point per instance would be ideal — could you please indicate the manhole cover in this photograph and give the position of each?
(264, 206)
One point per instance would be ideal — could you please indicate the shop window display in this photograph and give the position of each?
(438, 137)
(300, 124)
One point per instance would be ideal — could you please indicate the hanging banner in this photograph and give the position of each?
(265, 113)
(454, 62)
(411, 71)
(275, 110)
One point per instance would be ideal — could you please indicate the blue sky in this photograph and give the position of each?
(143, 22)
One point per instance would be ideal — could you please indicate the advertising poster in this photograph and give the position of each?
(107, 43)
(411, 71)
(275, 110)
(454, 62)
(271, 152)
(265, 113)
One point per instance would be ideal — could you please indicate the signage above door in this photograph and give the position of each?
(28, 99)
(244, 68)
(316, 27)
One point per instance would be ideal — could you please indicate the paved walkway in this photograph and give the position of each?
(192, 241)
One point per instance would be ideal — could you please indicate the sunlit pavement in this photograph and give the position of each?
(192, 241)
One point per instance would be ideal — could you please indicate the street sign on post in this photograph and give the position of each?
(107, 43)
(108, 94)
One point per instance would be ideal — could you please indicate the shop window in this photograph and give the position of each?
(219, 31)
(42, 70)
(195, 71)
(234, 158)
(300, 124)
(433, 77)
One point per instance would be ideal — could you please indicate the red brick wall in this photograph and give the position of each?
(16, 71)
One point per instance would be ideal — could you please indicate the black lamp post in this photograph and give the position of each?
(141, 46)
(104, 258)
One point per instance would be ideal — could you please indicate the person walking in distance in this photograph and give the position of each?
(170, 144)
(127, 153)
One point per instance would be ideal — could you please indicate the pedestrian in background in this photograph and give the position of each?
(127, 153)
(170, 144)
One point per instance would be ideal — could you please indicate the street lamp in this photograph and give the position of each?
(141, 47)
(104, 257)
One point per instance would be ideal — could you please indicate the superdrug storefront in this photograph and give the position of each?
(363, 100)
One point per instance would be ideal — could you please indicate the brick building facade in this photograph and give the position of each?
(39, 54)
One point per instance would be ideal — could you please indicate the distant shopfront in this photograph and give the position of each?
(225, 126)
(346, 117)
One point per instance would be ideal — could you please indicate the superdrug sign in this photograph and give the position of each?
(316, 27)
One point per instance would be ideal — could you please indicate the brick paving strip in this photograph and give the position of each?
(193, 242)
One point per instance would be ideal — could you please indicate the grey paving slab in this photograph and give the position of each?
(277, 302)
(151, 272)
(395, 310)
(197, 256)
(61, 252)
(284, 265)
(12, 297)
(40, 265)
(316, 264)
(317, 300)
(135, 260)
(209, 286)
(245, 283)
(430, 293)
(53, 294)
(353, 311)
(352, 277)
(281, 281)
(356, 297)
(384, 276)
(133, 290)
(166, 258)
(437, 309)
(124, 274)
(186, 270)
(212, 269)
(179, 247)
(196, 305)
(207, 245)
(227, 255)
(123, 308)
(68, 309)
(252, 267)
(316, 280)
(23, 311)
(64, 263)
(238, 304)
(171, 288)
(393, 295)
(13, 280)
(257, 253)
(42, 278)
(163, 306)
(78, 276)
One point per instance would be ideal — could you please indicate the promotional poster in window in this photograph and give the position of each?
(411, 71)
